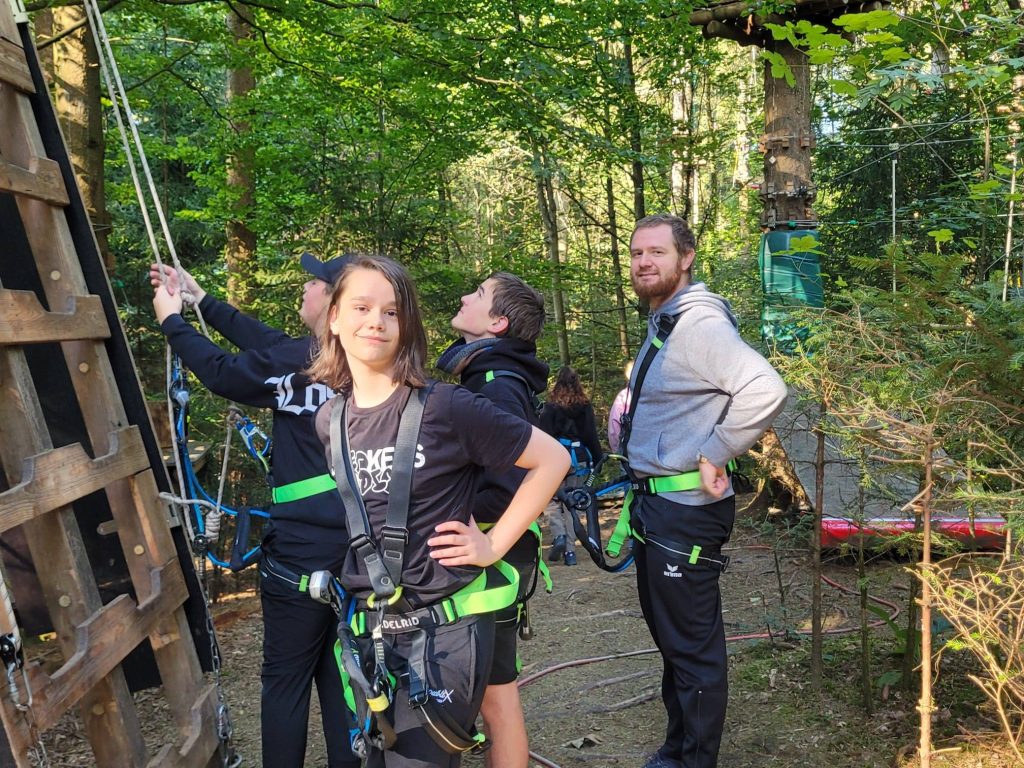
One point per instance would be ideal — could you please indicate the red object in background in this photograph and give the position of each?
(987, 531)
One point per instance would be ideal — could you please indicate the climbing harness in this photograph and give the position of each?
(205, 529)
(368, 629)
(652, 486)
(541, 569)
(579, 454)
(583, 505)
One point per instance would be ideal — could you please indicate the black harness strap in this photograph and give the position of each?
(395, 533)
(665, 326)
(384, 571)
(531, 395)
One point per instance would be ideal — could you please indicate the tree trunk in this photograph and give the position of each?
(787, 192)
(548, 207)
(73, 65)
(240, 252)
(924, 707)
(633, 127)
(819, 504)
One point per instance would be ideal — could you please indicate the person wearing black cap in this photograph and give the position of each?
(306, 532)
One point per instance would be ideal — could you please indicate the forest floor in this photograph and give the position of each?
(609, 713)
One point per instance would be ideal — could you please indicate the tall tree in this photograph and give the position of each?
(72, 63)
(240, 250)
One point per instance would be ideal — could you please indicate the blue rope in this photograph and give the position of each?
(180, 397)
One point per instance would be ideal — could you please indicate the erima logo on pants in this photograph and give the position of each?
(672, 571)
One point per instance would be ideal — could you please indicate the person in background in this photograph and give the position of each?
(496, 357)
(700, 398)
(306, 532)
(568, 416)
(619, 406)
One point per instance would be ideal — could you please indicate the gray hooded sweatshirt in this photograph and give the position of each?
(706, 393)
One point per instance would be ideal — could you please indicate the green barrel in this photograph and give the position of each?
(790, 277)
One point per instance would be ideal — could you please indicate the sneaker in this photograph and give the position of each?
(570, 558)
(658, 760)
(557, 549)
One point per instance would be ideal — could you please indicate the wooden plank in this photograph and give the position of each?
(59, 477)
(13, 68)
(69, 589)
(102, 642)
(199, 742)
(24, 321)
(140, 517)
(43, 182)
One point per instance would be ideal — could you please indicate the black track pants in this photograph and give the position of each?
(298, 648)
(682, 605)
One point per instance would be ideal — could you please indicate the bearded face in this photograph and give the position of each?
(657, 270)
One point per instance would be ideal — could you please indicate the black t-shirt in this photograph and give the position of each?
(460, 435)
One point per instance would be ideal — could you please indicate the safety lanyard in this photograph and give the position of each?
(665, 325)
(384, 561)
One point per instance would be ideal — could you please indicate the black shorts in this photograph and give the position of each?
(505, 666)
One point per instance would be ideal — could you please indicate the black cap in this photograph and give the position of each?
(328, 271)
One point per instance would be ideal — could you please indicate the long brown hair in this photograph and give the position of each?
(568, 391)
(330, 364)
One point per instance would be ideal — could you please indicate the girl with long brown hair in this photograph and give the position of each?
(424, 650)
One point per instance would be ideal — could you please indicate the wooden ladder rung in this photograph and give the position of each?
(195, 748)
(58, 477)
(41, 182)
(24, 321)
(13, 67)
(103, 642)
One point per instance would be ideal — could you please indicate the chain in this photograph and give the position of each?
(228, 757)
(13, 660)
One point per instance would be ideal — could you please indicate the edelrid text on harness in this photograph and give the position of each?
(652, 486)
(365, 635)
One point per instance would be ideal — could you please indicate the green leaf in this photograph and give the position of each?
(941, 235)
(895, 55)
(864, 22)
(843, 87)
(883, 38)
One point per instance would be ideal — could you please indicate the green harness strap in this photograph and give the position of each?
(623, 530)
(545, 572)
(346, 681)
(534, 528)
(303, 489)
(685, 481)
(473, 599)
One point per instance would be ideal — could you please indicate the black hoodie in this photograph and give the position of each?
(511, 395)
(576, 423)
(308, 534)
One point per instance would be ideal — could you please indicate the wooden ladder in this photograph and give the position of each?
(43, 481)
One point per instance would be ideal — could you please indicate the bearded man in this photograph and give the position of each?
(699, 397)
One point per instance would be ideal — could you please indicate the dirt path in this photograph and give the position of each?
(609, 713)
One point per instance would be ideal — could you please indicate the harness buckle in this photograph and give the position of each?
(391, 536)
(641, 486)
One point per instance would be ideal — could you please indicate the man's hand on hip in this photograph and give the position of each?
(713, 480)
